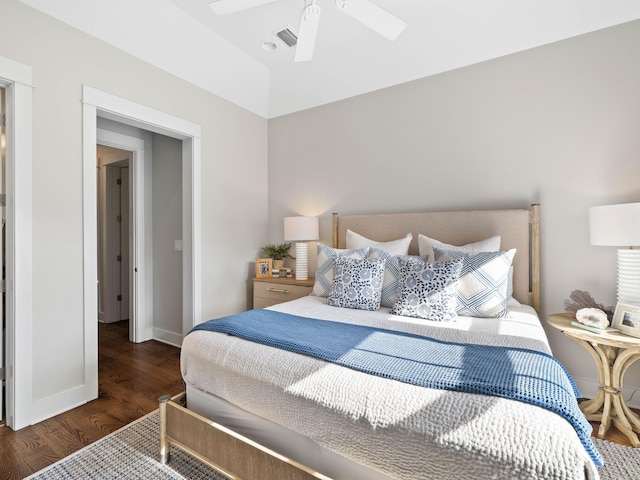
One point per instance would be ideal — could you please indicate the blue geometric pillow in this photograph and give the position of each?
(483, 284)
(427, 290)
(390, 284)
(324, 267)
(357, 283)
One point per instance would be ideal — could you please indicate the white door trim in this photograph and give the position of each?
(97, 103)
(191, 251)
(17, 79)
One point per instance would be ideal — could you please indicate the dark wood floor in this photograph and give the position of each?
(131, 378)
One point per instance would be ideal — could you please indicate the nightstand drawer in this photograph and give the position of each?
(267, 292)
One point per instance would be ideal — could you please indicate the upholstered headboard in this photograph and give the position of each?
(518, 228)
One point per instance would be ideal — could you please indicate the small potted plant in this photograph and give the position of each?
(278, 252)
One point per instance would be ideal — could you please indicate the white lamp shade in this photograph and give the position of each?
(615, 225)
(300, 229)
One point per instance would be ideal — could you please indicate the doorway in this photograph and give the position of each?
(122, 238)
(113, 235)
(101, 105)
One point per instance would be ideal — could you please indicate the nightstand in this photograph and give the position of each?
(271, 291)
(613, 353)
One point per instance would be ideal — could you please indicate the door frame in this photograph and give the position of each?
(96, 104)
(17, 79)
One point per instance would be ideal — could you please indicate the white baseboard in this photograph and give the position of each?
(166, 336)
(588, 388)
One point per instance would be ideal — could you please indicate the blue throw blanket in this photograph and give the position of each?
(514, 373)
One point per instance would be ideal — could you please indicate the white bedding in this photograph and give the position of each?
(400, 430)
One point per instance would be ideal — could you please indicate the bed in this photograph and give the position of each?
(256, 411)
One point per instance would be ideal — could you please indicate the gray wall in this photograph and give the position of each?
(234, 193)
(558, 125)
(167, 228)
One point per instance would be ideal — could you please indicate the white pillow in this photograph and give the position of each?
(426, 246)
(394, 247)
(511, 302)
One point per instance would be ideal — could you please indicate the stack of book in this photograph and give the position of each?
(282, 273)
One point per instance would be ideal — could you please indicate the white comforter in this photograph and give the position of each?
(404, 431)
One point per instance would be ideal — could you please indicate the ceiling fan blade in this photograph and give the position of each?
(307, 33)
(225, 7)
(374, 17)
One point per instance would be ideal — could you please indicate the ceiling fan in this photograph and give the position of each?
(369, 14)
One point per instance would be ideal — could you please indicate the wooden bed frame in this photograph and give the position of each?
(231, 454)
(238, 457)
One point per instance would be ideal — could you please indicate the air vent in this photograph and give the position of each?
(287, 36)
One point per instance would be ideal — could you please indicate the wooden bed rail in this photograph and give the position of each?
(231, 454)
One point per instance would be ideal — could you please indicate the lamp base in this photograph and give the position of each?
(302, 261)
(629, 276)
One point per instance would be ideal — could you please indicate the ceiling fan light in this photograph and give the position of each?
(307, 33)
(225, 7)
(373, 16)
(268, 46)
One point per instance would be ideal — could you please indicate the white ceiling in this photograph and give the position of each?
(223, 54)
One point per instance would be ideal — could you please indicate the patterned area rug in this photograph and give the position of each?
(620, 462)
(132, 453)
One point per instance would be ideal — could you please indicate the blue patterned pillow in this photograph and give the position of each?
(484, 280)
(427, 290)
(357, 283)
(390, 284)
(324, 267)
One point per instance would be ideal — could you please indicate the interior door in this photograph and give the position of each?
(124, 244)
(114, 226)
(117, 247)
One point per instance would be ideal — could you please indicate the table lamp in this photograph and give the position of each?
(300, 230)
(619, 226)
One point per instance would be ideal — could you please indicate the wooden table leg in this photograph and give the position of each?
(605, 421)
(621, 419)
(625, 420)
(608, 406)
(593, 408)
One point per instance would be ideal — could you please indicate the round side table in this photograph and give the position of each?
(613, 353)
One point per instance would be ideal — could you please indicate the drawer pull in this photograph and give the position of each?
(278, 290)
